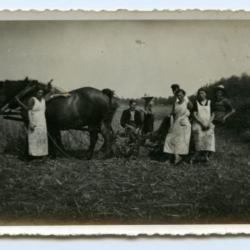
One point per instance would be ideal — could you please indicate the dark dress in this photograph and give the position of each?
(148, 123)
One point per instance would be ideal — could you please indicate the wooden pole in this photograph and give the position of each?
(13, 118)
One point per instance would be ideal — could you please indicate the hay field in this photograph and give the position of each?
(118, 190)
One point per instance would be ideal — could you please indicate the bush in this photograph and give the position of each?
(240, 121)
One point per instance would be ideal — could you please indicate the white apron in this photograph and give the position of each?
(37, 139)
(178, 138)
(204, 140)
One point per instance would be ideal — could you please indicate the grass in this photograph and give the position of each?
(119, 190)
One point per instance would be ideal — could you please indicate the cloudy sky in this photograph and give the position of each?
(131, 57)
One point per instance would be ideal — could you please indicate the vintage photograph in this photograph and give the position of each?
(125, 122)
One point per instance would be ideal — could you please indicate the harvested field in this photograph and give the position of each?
(119, 190)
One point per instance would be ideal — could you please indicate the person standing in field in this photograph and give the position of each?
(148, 116)
(222, 107)
(37, 128)
(131, 121)
(178, 138)
(165, 125)
(203, 127)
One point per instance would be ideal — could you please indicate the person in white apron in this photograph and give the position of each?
(203, 127)
(37, 129)
(178, 138)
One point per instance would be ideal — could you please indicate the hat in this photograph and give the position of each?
(221, 87)
(147, 99)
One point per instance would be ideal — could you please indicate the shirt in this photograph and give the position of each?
(132, 115)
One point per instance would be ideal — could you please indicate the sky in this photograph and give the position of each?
(130, 57)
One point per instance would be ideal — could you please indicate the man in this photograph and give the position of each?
(222, 106)
(175, 87)
(131, 121)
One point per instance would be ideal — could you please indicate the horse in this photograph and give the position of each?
(84, 107)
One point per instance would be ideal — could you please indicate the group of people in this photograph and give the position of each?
(191, 124)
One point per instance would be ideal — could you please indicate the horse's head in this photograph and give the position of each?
(9, 89)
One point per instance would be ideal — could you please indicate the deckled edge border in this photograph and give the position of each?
(124, 230)
(192, 14)
(130, 231)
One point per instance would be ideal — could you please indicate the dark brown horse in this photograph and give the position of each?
(85, 107)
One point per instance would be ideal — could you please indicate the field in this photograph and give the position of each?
(123, 190)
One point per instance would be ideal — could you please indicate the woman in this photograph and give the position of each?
(148, 116)
(37, 128)
(222, 106)
(37, 132)
(203, 127)
(178, 138)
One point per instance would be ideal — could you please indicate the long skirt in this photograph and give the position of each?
(38, 141)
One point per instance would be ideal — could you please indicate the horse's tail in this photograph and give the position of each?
(113, 105)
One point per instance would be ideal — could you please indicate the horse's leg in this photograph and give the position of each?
(104, 146)
(59, 140)
(26, 150)
(107, 133)
(52, 139)
(26, 128)
(93, 133)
